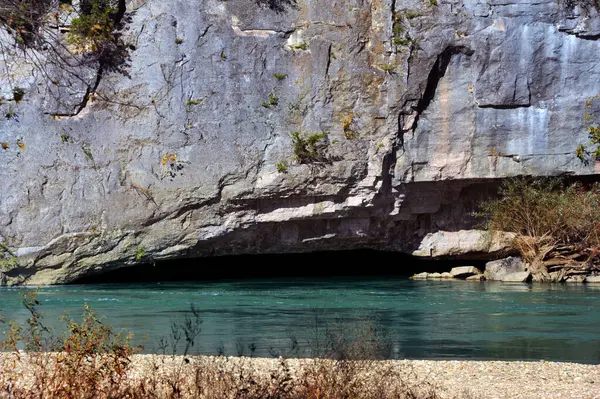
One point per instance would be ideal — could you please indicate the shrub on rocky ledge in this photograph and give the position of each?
(310, 148)
(557, 225)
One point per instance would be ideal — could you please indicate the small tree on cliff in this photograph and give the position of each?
(591, 151)
(55, 35)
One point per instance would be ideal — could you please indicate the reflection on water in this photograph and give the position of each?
(420, 319)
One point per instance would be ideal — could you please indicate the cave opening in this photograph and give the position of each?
(349, 263)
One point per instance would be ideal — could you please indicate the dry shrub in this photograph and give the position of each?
(88, 361)
(556, 224)
(349, 365)
(368, 379)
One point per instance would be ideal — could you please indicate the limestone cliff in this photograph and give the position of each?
(187, 149)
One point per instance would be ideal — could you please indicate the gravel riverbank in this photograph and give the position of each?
(448, 379)
(467, 379)
(516, 380)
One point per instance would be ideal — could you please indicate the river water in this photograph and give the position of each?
(415, 319)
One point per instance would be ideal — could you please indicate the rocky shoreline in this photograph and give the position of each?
(508, 270)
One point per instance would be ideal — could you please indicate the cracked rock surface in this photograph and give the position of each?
(427, 108)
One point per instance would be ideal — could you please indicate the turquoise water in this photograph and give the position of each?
(417, 319)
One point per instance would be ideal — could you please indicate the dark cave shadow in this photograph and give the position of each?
(277, 5)
(320, 264)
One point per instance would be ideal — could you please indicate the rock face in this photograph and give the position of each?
(464, 271)
(464, 242)
(420, 276)
(497, 270)
(576, 279)
(516, 277)
(476, 277)
(592, 279)
(189, 152)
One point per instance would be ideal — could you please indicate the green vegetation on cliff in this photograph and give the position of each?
(70, 35)
(8, 260)
(310, 148)
(91, 28)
